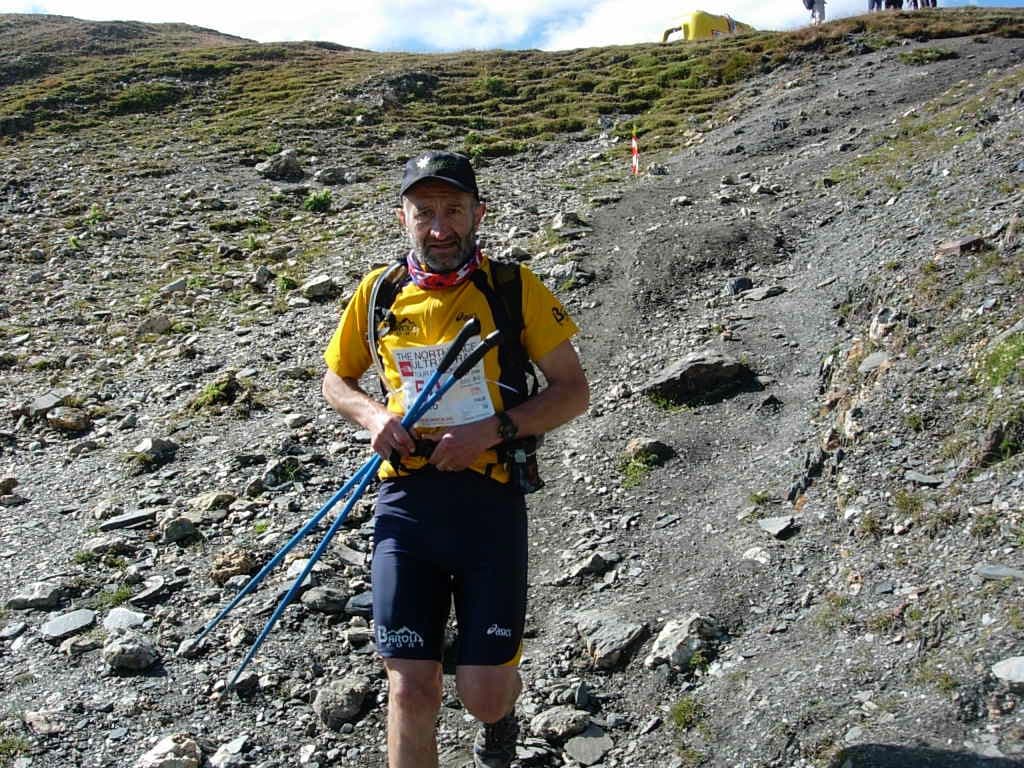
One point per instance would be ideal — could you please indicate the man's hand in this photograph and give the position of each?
(386, 431)
(387, 435)
(460, 446)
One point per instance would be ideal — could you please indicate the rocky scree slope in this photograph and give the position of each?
(811, 557)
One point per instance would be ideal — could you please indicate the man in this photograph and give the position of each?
(448, 522)
(818, 12)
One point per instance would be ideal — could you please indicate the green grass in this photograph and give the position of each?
(635, 469)
(1005, 362)
(922, 56)
(112, 598)
(318, 202)
(11, 747)
(84, 558)
(686, 713)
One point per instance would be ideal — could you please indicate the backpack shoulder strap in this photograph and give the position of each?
(505, 299)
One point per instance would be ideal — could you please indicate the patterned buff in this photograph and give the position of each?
(432, 281)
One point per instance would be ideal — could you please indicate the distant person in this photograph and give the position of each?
(817, 9)
(874, 5)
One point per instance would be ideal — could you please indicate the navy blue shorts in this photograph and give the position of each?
(444, 536)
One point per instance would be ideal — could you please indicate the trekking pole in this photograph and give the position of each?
(469, 329)
(424, 402)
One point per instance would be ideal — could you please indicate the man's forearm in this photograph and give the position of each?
(558, 404)
(347, 398)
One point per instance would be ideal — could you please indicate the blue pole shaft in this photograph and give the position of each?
(295, 539)
(415, 413)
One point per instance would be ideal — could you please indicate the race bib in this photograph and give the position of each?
(467, 401)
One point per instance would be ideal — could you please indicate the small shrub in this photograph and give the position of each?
(686, 713)
(113, 598)
(11, 747)
(260, 526)
(914, 422)
(923, 56)
(908, 503)
(84, 558)
(985, 525)
(635, 468)
(1003, 362)
(284, 283)
(318, 202)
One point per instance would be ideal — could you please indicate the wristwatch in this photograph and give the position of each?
(507, 429)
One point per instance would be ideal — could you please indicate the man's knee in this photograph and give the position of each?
(414, 689)
(488, 693)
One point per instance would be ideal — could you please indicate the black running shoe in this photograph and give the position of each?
(495, 745)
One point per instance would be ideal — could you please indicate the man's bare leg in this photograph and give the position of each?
(414, 699)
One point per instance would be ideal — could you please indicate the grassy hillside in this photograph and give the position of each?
(69, 75)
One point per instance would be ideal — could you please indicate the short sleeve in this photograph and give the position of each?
(546, 322)
(347, 354)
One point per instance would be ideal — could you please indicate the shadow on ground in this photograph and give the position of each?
(887, 756)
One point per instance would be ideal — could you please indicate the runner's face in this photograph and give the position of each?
(441, 222)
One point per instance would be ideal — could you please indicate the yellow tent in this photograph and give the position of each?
(703, 26)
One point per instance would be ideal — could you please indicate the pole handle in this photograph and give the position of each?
(492, 340)
(470, 329)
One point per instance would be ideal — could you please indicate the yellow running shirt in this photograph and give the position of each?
(425, 324)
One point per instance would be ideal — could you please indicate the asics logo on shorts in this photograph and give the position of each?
(398, 638)
(497, 631)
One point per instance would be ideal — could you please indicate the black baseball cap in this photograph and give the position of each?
(449, 167)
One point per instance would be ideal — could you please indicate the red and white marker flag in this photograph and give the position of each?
(636, 156)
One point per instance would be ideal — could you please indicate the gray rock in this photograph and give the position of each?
(326, 599)
(873, 362)
(922, 479)
(12, 631)
(176, 751)
(108, 545)
(141, 517)
(566, 220)
(679, 640)
(296, 420)
(738, 285)
(998, 572)
(178, 529)
(681, 201)
(607, 638)
(589, 747)
(230, 755)
(122, 618)
(559, 723)
(360, 605)
(177, 286)
(885, 320)
(157, 324)
(760, 294)
(39, 407)
(69, 419)
(129, 652)
(340, 702)
(40, 595)
(155, 450)
(68, 624)
(1010, 671)
(319, 287)
(776, 526)
(650, 450)
(283, 166)
(332, 175)
(700, 376)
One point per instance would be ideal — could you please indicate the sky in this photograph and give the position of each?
(429, 26)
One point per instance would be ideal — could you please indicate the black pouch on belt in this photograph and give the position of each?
(520, 459)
